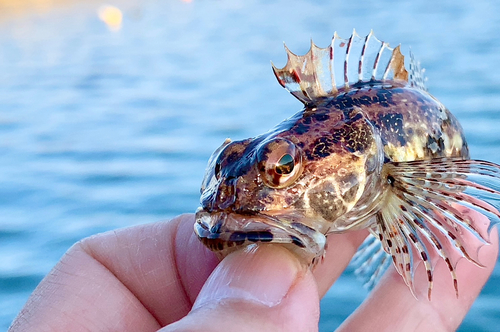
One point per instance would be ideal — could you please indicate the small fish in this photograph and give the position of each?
(370, 149)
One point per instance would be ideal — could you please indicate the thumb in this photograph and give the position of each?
(261, 288)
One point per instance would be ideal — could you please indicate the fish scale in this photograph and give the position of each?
(371, 149)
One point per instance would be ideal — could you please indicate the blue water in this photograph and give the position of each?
(102, 129)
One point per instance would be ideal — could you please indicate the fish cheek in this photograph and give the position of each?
(325, 202)
(350, 195)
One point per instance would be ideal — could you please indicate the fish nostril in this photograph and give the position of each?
(221, 196)
(227, 193)
(207, 200)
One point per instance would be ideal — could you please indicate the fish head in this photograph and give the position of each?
(290, 185)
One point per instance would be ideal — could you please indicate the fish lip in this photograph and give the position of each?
(210, 225)
(225, 231)
(225, 226)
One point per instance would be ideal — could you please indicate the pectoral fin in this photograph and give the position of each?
(443, 206)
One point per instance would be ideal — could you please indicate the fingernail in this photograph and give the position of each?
(262, 274)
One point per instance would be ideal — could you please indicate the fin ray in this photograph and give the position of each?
(429, 207)
(370, 261)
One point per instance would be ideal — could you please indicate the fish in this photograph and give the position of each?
(370, 149)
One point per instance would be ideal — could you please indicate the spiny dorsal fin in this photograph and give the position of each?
(417, 77)
(326, 71)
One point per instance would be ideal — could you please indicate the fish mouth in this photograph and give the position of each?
(224, 232)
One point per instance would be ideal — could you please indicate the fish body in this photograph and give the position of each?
(370, 149)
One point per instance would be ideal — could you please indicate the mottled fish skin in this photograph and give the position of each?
(337, 141)
(333, 167)
(413, 125)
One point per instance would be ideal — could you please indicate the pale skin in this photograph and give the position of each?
(150, 278)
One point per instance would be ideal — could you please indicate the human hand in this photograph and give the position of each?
(154, 277)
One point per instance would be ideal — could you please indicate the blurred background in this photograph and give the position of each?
(110, 111)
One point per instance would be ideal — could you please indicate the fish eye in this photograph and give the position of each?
(279, 163)
(285, 165)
